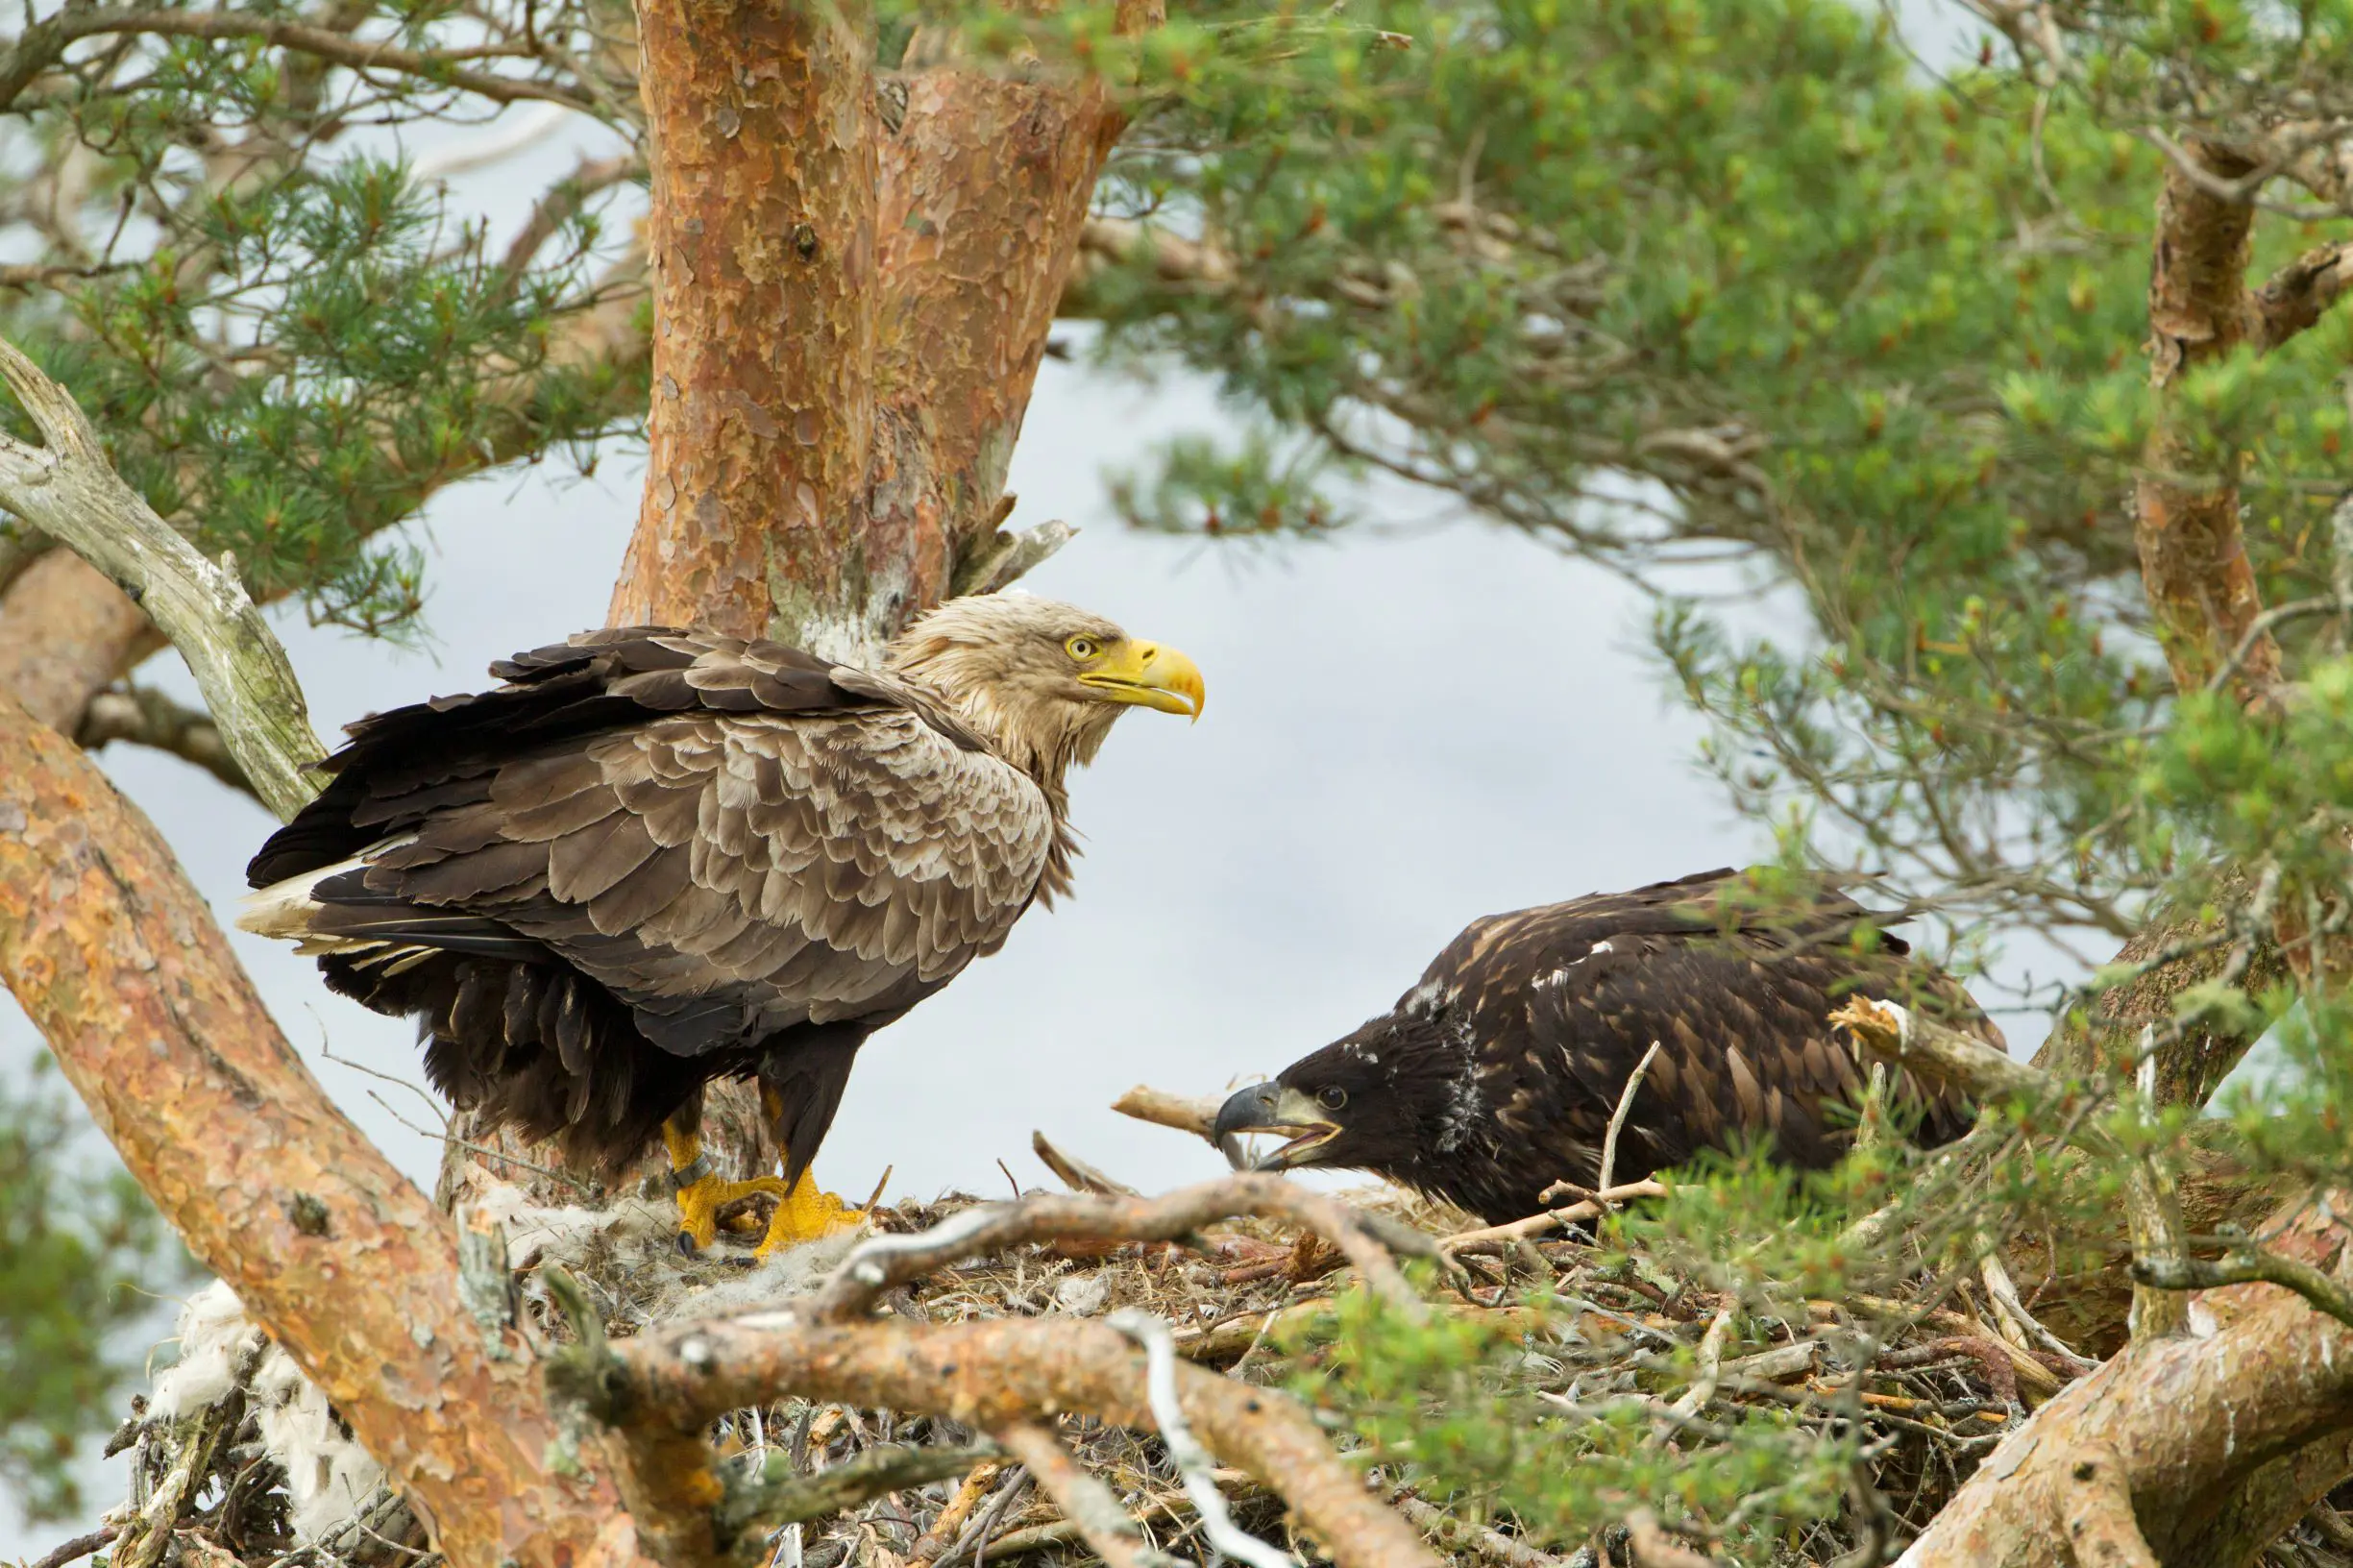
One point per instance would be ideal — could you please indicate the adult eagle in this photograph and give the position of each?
(655, 857)
(1496, 1075)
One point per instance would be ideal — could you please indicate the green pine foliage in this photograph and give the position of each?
(289, 342)
(389, 348)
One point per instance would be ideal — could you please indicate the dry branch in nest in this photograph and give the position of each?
(888, 1260)
(656, 1392)
(985, 1383)
(1005, 1367)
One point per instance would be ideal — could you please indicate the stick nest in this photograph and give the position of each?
(221, 1482)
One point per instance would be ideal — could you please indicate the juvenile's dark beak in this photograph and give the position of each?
(1271, 1108)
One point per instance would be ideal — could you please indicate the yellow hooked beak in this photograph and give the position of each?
(1149, 675)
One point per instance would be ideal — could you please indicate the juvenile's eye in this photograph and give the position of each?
(1333, 1098)
(1082, 648)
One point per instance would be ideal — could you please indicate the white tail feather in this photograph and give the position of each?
(284, 909)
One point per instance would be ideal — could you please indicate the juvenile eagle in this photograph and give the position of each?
(655, 857)
(1496, 1076)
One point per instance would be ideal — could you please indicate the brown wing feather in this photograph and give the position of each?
(1497, 1074)
(652, 845)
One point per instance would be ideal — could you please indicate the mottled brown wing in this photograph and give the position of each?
(730, 877)
(1566, 1000)
(726, 836)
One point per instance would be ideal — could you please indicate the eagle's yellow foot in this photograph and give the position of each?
(807, 1213)
(701, 1200)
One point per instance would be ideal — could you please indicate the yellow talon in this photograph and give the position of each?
(807, 1213)
(803, 1212)
(701, 1201)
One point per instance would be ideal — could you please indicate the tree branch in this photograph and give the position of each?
(1184, 1450)
(1004, 559)
(876, 1265)
(146, 717)
(118, 963)
(2098, 1515)
(1654, 1548)
(45, 42)
(1461, 1534)
(988, 1373)
(2188, 1431)
(2201, 587)
(2301, 293)
(2254, 1266)
(1196, 1114)
(69, 490)
(1902, 1037)
(775, 1496)
(1591, 1207)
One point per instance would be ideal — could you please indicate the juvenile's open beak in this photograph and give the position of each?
(1149, 675)
(1271, 1108)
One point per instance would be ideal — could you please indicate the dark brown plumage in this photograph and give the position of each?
(655, 857)
(1496, 1076)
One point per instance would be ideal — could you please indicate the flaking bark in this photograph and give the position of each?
(119, 964)
(2221, 1442)
(985, 187)
(761, 138)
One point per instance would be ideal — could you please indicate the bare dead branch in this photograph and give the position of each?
(1191, 1459)
(776, 1496)
(882, 1262)
(1076, 1173)
(2249, 1268)
(1186, 1112)
(1902, 1037)
(143, 716)
(1497, 1548)
(68, 489)
(1695, 1398)
(987, 1373)
(1552, 1218)
(2002, 1291)
(1006, 557)
(80, 1547)
(945, 1531)
(1087, 1502)
(1608, 1166)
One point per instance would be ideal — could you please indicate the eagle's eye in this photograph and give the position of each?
(1333, 1098)
(1081, 648)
